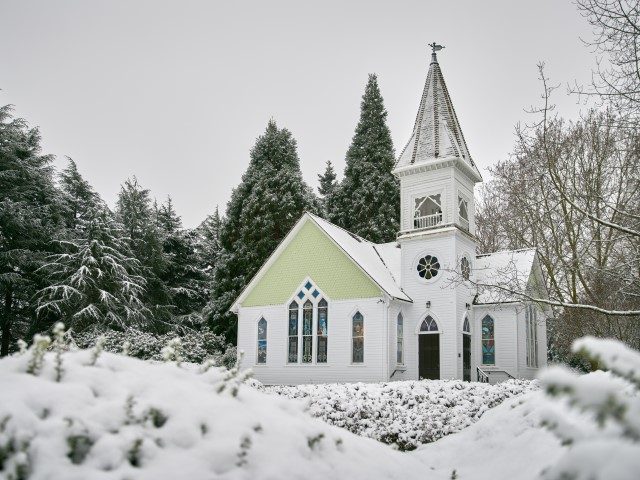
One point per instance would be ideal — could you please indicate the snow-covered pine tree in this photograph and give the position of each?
(367, 201)
(183, 276)
(270, 199)
(31, 214)
(95, 282)
(327, 185)
(136, 213)
(78, 195)
(209, 241)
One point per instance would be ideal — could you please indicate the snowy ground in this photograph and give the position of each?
(124, 418)
(405, 414)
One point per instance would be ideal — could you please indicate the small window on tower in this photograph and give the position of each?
(463, 212)
(427, 211)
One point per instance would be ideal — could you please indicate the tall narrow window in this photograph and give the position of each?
(357, 338)
(323, 330)
(488, 342)
(307, 332)
(292, 356)
(400, 339)
(262, 341)
(531, 322)
(463, 212)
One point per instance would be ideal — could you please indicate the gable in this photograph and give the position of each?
(311, 253)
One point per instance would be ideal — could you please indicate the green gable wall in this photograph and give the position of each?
(311, 253)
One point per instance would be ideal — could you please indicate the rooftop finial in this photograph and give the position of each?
(435, 48)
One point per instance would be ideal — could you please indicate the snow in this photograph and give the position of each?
(509, 269)
(367, 256)
(126, 418)
(405, 414)
(115, 417)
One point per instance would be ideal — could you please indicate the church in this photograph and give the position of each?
(329, 306)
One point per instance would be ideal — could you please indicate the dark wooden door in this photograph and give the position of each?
(466, 357)
(429, 356)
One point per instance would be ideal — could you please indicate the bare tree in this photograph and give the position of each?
(616, 28)
(572, 189)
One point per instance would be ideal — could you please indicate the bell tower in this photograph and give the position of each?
(437, 178)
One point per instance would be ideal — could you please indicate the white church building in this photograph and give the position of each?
(330, 306)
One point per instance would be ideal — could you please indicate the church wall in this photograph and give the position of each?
(311, 253)
(505, 334)
(464, 294)
(339, 367)
(438, 291)
(524, 371)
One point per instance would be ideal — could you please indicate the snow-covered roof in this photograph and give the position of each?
(508, 271)
(380, 261)
(436, 133)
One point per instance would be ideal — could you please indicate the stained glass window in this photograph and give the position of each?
(429, 325)
(465, 267)
(488, 342)
(428, 267)
(262, 341)
(293, 333)
(308, 285)
(531, 322)
(307, 332)
(323, 330)
(357, 338)
(400, 339)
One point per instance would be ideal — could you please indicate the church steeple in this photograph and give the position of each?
(436, 133)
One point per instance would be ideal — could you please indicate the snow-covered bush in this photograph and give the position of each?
(196, 346)
(124, 418)
(598, 414)
(405, 414)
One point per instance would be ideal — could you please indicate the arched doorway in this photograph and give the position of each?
(466, 349)
(429, 350)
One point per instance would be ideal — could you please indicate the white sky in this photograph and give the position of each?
(176, 92)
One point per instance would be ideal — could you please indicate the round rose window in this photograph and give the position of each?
(428, 267)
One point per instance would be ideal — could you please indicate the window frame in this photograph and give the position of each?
(265, 339)
(531, 335)
(400, 339)
(482, 340)
(297, 336)
(353, 337)
(432, 193)
(318, 336)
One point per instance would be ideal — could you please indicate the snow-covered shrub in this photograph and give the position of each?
(404, 414)
(128, 419)
(598, 414)
(196, 346)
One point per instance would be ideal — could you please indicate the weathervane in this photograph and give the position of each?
(435, 47)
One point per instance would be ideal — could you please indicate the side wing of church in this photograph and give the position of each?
(329, 306)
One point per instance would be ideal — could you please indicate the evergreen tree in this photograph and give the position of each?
(263, 208)
(185, 280)
(367, 201)
(140, 221)
(78, 195)
(328, 185)
(30, 216)
(95, 280)
(209, 242)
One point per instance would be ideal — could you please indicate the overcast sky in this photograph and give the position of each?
(176, 92)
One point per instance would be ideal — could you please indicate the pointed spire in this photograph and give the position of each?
(436, 133)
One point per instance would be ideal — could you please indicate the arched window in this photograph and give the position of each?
(262, 341)
(307, 332)
(466, 328)
(465, 268)
(292, 356)
(357, 338)
(429, 325)
(400, 339)
(488, 342)
(323, 330)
